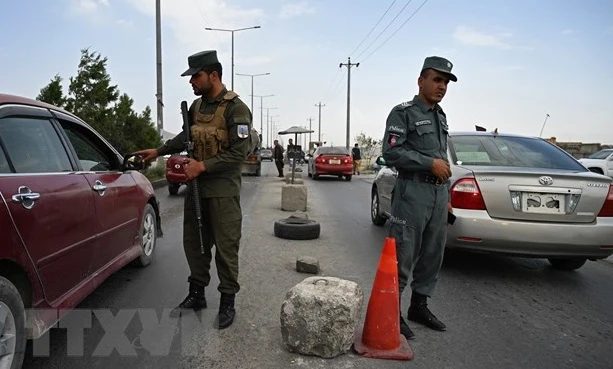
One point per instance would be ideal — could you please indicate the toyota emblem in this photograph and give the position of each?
(546, 181)
(177, 166)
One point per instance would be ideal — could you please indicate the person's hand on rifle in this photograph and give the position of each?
(193, 168)
(147, 155)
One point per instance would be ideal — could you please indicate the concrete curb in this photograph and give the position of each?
(159, 183)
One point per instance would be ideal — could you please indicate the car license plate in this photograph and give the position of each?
(543, 203)
(335, 161)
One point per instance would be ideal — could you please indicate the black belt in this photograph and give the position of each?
(422, 177)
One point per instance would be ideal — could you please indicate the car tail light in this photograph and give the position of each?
(607, 207)
(465, 194)
(319, 160)
(347, 160)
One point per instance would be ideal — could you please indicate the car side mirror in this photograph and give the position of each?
(380, 160)
(133, 162)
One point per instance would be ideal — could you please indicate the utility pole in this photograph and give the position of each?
(158, 56)
(348, 65)
(319, 130)
(310, 129)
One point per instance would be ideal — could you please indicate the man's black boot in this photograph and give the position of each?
(405, 330)
(419, 312)
(195, 301)
(226, 314)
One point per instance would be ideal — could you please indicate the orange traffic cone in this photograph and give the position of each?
(381, 336)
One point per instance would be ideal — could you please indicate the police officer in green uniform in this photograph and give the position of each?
(220, 127)
(415, 143)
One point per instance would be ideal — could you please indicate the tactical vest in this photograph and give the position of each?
(209, 131)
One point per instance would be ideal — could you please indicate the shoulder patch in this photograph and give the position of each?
(242, 130)
(404, 105)
(396, 129)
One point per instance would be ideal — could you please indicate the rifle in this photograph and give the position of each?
(193, 184)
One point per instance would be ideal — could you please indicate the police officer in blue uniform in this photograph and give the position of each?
(415, 143)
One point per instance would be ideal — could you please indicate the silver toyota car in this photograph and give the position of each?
(519, 196)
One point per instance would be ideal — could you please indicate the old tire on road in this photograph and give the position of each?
(297, 229)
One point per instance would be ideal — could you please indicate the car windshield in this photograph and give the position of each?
(265, 151)
(506, 151)
(332, 151)
(602, 154)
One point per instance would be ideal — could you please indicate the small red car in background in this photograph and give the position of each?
(334, 161)
(175, 175)
(72, 212)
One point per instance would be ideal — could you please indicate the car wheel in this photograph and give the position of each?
(297, 229)
(347, 178)
(173, 188)
(12, 326)
(567, 263)
(148, 236)
(375, 216)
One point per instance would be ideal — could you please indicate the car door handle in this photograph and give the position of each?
(99, 187)
(25, 197)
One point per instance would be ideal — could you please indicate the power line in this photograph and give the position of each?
(385, 29)
(392, 35)
(373, 28)
(338, 72)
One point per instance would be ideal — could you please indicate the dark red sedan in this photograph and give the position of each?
(334, 161)
(175, 175)
(72, 212)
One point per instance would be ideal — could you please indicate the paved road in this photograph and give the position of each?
(501, 312)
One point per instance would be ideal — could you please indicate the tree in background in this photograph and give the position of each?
(369, 147)
(52, 93)
(93, 98)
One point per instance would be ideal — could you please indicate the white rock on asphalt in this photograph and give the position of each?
(294, 197)
(320, 315)
(307, 264)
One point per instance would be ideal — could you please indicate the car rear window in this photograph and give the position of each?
(507, 151)
(333, 151)
(603, 154)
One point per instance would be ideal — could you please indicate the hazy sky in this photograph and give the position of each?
(516, 61)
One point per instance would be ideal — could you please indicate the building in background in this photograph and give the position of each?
(579, 149)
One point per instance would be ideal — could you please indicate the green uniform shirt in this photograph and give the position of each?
(222, 177)
(415, 135)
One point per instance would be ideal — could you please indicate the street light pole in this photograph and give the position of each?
(268, 126)
(542, 128)
(262, 115)
(252, 75)
(232, 31)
